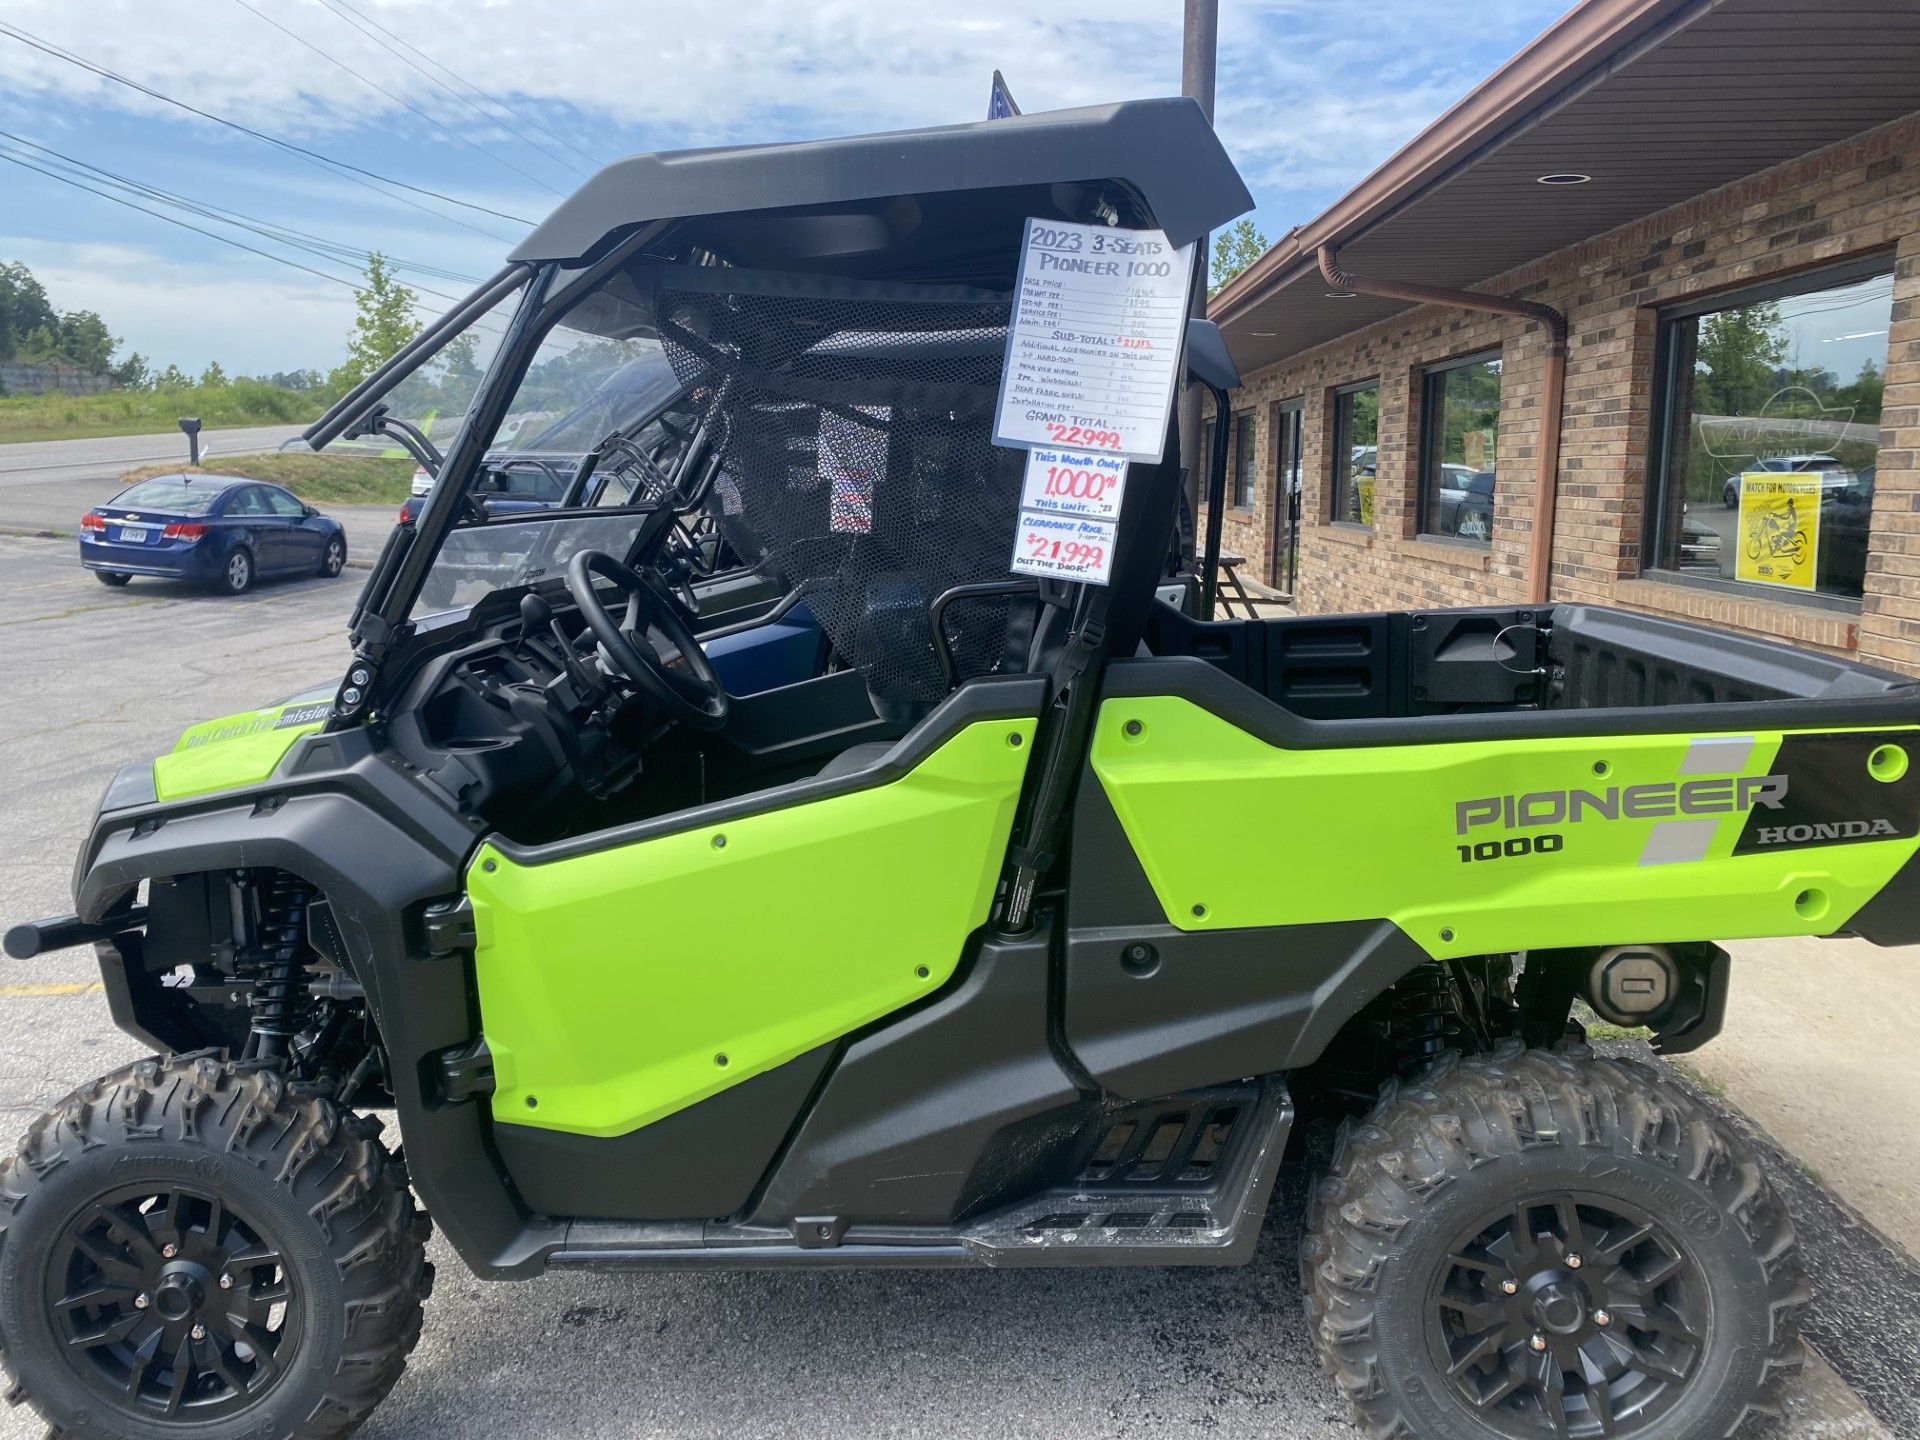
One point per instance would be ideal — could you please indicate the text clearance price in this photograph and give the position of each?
(1063, 547)
(1093, 353)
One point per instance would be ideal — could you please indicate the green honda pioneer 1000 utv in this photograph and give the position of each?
(949, 949)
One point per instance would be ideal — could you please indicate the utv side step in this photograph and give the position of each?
(1163, 1199)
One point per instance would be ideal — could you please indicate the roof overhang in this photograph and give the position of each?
(1657, 100)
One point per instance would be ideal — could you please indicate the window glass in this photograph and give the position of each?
(178, 494)
(247, 501)
(1765, 465)
(1286, 476)
(1243, 461)
(278, 502)
(1356, 452)
(1461, 415)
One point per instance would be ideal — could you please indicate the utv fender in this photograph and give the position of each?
(1151, 1009)
(381, 846)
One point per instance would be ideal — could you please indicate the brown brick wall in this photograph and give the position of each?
(1851, 199)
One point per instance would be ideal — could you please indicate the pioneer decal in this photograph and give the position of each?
(1709, 795)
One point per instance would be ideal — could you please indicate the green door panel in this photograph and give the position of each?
(235, 750)
(1235, 832)
(619, 986)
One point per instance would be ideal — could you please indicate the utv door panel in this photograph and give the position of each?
(622, 984)
(1510, 844)
(677, 1168)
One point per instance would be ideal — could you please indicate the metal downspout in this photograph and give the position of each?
(1553, 390)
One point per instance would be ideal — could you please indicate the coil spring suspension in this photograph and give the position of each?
(1424, 1019)
(280, 939)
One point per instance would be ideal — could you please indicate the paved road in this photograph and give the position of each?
(31, 462)
(97, 677)
(45, 486)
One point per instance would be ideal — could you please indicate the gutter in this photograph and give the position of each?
(1591, 42)
(1553, 390)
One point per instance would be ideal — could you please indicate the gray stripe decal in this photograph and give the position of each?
(1674, 842)
(1722, 755)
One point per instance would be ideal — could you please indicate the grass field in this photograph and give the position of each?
(143, 412)
(318, 479)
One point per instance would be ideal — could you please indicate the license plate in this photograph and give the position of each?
(134, 534)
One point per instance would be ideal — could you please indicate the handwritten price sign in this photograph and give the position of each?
(1099, 319)
(1063, 547)
(1074, 484)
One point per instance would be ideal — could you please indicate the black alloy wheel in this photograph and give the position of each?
(194, 1247)
(1568, 1315)
(172, 1303)
(1550, 1245)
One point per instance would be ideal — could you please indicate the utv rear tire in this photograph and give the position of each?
(1470, 1180)
(257, 1169)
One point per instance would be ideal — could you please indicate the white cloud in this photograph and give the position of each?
(1313, 93)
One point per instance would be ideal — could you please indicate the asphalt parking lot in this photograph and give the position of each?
(98, 677)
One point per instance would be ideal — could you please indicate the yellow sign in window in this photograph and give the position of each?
(1779, 541)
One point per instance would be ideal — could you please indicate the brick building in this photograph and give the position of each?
(1720, 203)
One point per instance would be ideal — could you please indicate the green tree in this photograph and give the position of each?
(1738, 355)
(213, 377)
(23, 309)
(172, 378)
(85, 340)
(383, 321)
(133, 372)
(1234, 249)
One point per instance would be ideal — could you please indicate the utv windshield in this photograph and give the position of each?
(437, 392)
(599, 386)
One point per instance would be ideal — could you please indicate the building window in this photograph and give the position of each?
(1283, 545)
(1356, 452)
(1460, 417)
(1766, 434)
(1243, 460)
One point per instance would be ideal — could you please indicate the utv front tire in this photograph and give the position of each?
(188, 1243)
(1546, 1243)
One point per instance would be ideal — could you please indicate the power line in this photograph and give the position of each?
(366, 25)
(524, 119)
(343, 168)
(400, 100)
(267, 229)
(27, 164)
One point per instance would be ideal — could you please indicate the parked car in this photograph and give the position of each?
(1833, 473)
(1699, 546)
(214, 529)
(1466, 502)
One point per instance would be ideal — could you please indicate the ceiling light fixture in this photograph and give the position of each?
(1341, 295)
(1564, 177)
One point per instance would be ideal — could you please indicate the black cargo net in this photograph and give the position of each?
(854, 423)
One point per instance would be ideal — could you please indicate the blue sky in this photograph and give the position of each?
(1312, 94)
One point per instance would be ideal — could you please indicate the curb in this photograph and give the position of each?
(27, 532)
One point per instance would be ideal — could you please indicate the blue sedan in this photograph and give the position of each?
(219, 531)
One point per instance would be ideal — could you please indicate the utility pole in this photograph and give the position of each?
(1199, 42)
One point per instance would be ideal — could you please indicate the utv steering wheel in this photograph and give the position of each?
(690, 690)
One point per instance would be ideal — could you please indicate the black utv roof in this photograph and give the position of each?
(1163, 150)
